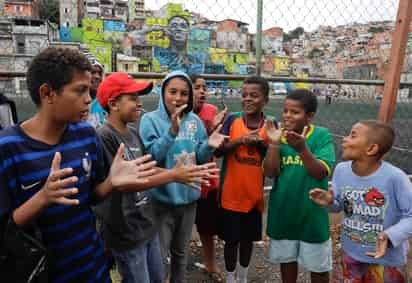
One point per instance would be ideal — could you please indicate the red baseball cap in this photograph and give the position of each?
(120, 83)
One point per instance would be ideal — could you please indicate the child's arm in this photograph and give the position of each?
(156, 144)
(332, 198)
(141, 174)
(322, 197)
(54, 191)
(271, 164)
(314, 162)
(190, 174)
(126, 173)
(209, 144)
(402, 230)
(314, 167)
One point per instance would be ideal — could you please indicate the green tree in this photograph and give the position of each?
(49, 10)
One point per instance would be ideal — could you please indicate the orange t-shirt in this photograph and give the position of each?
(242, 188)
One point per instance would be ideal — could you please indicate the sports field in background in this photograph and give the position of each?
(338, 117)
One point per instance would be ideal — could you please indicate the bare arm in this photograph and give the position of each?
(271, 163)
(314, 166)
(228, 147)
(126, 173)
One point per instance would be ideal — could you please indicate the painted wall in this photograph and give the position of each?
(281, 65)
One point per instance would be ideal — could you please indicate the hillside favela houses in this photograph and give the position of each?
(125, 36)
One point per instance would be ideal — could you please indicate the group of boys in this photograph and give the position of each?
(54, 166)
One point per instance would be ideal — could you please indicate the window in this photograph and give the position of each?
(67, 24)
(126, 67)
(21, 45)
(19, 8)
(66, 10)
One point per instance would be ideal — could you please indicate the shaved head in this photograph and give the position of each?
(380, 133)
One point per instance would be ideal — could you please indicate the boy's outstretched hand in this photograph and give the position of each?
(274, 134)
(381, 246)
(297, 141)
(130, 172)
(216, 139)
(321, 197)
(55, 189)
(219, 117)
(194, 175)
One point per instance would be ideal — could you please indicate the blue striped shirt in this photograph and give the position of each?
(67, 231)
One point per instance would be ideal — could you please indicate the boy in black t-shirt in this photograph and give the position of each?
(129, 227)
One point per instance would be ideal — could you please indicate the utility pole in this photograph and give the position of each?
(393, 76)
(259, 37)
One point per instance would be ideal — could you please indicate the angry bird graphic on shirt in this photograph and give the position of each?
(374, 197)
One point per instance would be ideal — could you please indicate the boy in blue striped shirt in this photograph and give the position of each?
(52, 168)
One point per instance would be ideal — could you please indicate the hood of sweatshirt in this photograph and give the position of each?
(167, 149)
(176, 74)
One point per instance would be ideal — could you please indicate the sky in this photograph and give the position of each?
(289, 14)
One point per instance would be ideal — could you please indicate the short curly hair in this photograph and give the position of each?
(305, 97)
(55, 67)
(261, 82)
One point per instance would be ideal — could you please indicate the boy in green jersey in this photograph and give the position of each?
(300, 155)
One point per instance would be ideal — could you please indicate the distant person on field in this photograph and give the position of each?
(300, 157)
(97, 115)
(376, 198)
(328, 95)
(8, 112)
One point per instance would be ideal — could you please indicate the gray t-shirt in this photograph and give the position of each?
(128, 218)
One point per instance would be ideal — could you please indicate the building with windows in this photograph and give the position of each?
(20, 8)
(136, 10)
(20, 40)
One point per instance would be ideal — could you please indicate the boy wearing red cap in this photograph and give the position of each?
(129, 228)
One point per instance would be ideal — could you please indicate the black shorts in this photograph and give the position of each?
(208, 214)
(240, 226)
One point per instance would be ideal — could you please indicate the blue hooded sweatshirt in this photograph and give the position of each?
(166, 148)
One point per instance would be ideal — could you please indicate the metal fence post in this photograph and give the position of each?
(259, 37)
(392, 78)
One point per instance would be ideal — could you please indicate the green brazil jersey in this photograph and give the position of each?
(292, 215)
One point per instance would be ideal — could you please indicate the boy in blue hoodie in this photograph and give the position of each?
(129, 228)
(167, 133)
(376, 198)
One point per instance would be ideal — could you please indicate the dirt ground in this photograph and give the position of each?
(260, 270)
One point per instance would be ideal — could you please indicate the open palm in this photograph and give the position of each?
(219, 118)
(216, 139)
(274, 134)
(131, 172)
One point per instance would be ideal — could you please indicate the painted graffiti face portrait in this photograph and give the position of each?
(178, 29)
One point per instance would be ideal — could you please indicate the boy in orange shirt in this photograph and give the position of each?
(241, 196)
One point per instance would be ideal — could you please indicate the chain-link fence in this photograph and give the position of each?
(323, 39)
(340, 49)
